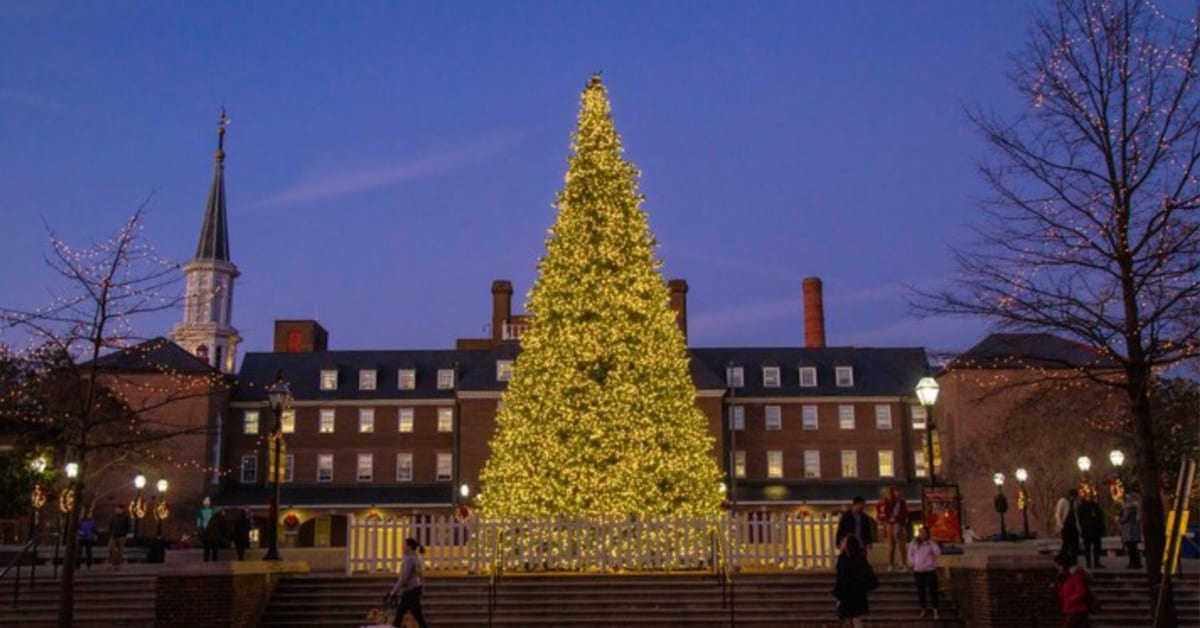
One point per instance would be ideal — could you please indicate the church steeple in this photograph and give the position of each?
(207, 330)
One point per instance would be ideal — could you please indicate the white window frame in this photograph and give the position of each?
(811, 380)
(890, 466)
(844, 376)
(406, 379)
(445, 379)
(504, 370)
(445, 419)
(289, 467)
(735, 377)
(329, 379)
(250, 422)
(252, 476)
(883, 416)
(326, 426)
(366, 420)
(810, 412)
(321, 458)
(368, 379)
(405, 419)
(737, 418)
(812, 463)
(404, 460)
(774, 464)
(773, 418)
(445, 462)
(847, 410)
(739, 463)
(287, 421)
(771, 377)
(920, 417)
(850, 463)
(369, 476)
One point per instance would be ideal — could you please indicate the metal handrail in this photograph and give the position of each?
(494, 577)
(30, 546)
(724, 571)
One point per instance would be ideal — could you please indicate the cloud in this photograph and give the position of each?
(30, 99)
(330, 186)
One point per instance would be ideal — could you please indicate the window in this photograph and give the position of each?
(809, 417)
(366, 379)
(289, 468)
(737, 417)
(366, 420)
(404, 467)
(808, 376)
(324, 467)
(445, 419)
(919, 416)
(288, 421)
(249, 469)
(774, 464)
(366, 467)
(770, 377)
(845, 376)
(329, 379)
(326, 425)
(774, 418)
(734, 377)
(504, 370)
(812, 463)
(406, 419)
(445, 467)
(883, 417)
(919, 464)
(250, 422)
(849, 463)
(445, 379)
(407, 379)
(846, 417)
(739, 463)
(886, 468)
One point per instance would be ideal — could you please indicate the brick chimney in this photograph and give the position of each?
(502, 291)
(679, 289)
(814, 314)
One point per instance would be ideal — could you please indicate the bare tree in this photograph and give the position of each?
(1094, 231)
(91, 397)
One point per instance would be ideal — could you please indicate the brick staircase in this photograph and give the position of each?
(1125, 600)
(101, 600)
(768, 599)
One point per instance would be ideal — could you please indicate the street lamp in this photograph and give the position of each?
(1023, 500)
(66, 501)
(1117, 458)
(927, 394)
(1085, 464)
(464, 491)
(161, 510)
(137, 509)
(37, 498)
(277, 395)
(729, 381)
(1001, 503)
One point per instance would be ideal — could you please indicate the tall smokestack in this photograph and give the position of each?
(679, 289)
(814, 314)
(501, 307)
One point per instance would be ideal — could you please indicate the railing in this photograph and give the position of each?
(725, 575)
(513, 331)
(30, 547)
(494, 582)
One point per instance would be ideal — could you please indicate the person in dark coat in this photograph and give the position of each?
(214, 535)
(855, 522)
(1066, 514)
(1131, 528)
(241, 532)
(87, 538)
(854, 579)
(118, 529)
(1091, 529)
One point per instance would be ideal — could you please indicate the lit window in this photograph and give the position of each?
(774, 418)
(883, 417)
(249, 469)
(504, 370)
(734, 377)
(407, 379)
(404, 469)
(366, 467)
(809, 417)
(808, 376)
(366, 420)
(324, 467)
(849, 463)
(250, 422)
(774, 464)
(445, 467)
(846, 417)
(812, 463)
(366, 379)
(406, 419)
(919, 415)
(326, 425)
(289, 468)
(886, 468)
(919, 463)
(845, 376)
(329, 379)
(770, 377)
(737, 417)
(739, 463)
(445, 379)
(288, 421)
(445, 419)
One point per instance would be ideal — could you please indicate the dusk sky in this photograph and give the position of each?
(388, 160)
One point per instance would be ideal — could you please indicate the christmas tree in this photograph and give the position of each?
(599, 418)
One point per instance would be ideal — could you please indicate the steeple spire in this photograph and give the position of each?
(214, 234)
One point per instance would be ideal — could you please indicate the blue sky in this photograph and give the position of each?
(387, 161)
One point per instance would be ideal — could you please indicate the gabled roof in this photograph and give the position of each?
(877, 372)
(302, 371)
(157, 355)
(1014, 351)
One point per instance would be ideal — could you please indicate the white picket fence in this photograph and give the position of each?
(755, 540)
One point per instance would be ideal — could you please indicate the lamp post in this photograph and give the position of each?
(138, 508)
(927, 394)
(729, 370)
(66, 501)
(277, 395)
(1084, 463)
(1001, 503)
(1117, 458)
(37, 498)
(1023, 500)
(161, 510)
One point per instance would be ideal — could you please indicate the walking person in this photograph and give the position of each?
(409, 584)
(1074, 593)
(856, 523)
(213, 535)
(241, 532)
(922, 555)
(87, 538)
(118, 529)
(893, 520)
(1131, 528)
(1067, 522)
(203, 516)
(855, 579)
(1091, 529)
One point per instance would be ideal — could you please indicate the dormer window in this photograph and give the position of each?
(770, 377)
(445, 380)
(407, 379)
(808, 377)
(366, 379)
(328, 379)
(734, 377)
(845, 376)
(504, 370)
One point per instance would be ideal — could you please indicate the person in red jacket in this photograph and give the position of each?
(1073, 593)
(892, 513)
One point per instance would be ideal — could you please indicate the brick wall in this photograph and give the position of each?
(1004, 591)
(236, 599)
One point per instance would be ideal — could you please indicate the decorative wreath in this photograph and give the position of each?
(38, 497)
(137, 507)
(291, 521)
(462, 513)
(66, 500)
(161, 510)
